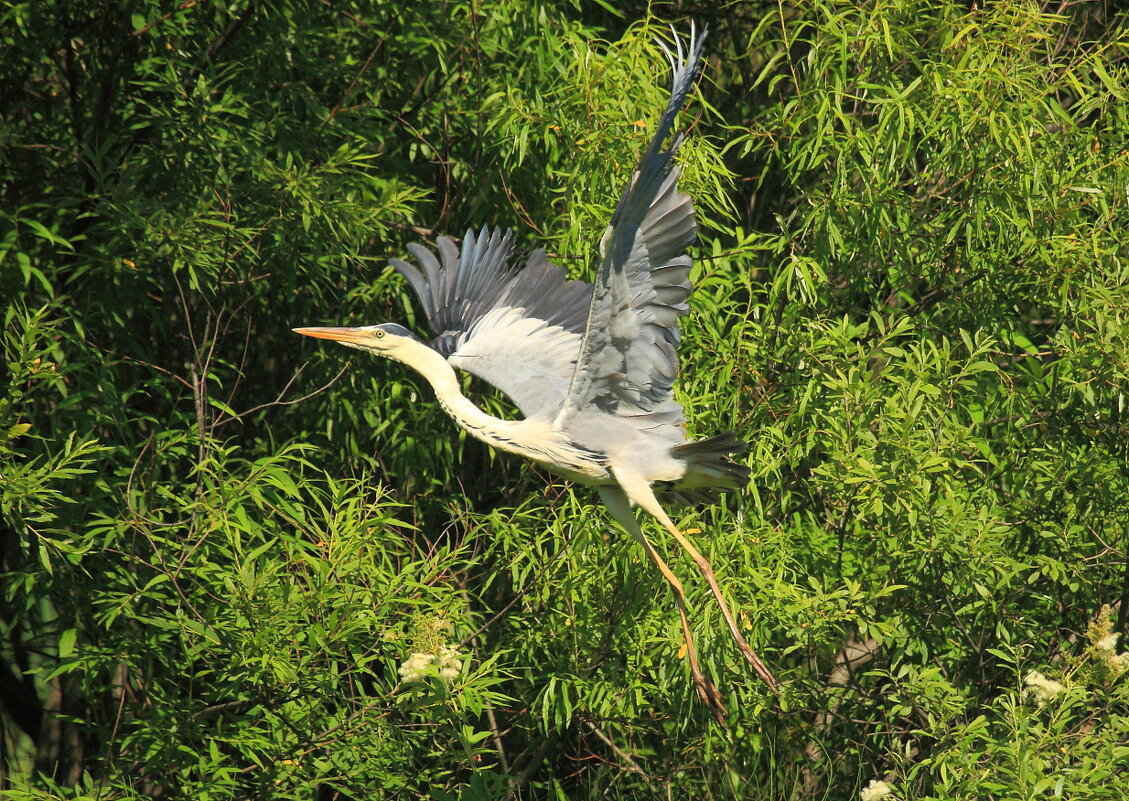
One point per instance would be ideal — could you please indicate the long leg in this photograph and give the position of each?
(620, 509)
(639, 490)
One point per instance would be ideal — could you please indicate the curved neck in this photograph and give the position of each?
(495, 431)
(534, 439)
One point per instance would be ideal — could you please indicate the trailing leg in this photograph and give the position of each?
(620, 509)
(639, 491)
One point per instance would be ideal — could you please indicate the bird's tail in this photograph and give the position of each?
(708, 470)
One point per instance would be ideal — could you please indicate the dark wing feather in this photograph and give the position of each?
(629, 359)
(462, 285)
(515, 323)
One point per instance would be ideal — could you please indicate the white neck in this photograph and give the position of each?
(534, 439)
(503, 434)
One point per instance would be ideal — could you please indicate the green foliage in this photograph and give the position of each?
(234, 564)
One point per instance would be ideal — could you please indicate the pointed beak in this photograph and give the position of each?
(336, 334)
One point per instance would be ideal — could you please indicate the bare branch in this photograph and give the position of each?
(279, 401)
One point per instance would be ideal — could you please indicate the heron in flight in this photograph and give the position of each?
(590, 366)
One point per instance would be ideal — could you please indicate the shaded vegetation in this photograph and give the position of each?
(221, 546)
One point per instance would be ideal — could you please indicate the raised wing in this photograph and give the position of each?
(515, 323)
(628, 359)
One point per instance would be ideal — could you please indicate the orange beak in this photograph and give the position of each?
(336, 334)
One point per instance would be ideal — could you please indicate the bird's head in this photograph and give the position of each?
(386, 339)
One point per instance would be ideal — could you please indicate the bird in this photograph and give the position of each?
(590, 366)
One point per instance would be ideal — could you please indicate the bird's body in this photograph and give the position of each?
(591, 367)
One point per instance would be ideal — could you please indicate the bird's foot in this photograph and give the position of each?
(710, 695)
(758, 664)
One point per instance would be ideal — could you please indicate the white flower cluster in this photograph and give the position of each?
(875, 791)
(1107, 652)
(448, 662)
(1042, 688)
(415, 667)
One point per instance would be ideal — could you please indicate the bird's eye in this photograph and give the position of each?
(378, 334)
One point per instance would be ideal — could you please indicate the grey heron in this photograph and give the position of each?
(590, 366)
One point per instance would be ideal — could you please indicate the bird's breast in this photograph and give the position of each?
(582, 471)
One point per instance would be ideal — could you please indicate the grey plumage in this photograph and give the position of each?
(463, 285)
(591, 366)
(629, 354)
(491, 311)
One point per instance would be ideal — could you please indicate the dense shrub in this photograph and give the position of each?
(240, 565)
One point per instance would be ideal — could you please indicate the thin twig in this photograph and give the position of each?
(626, 758)
(278, 401)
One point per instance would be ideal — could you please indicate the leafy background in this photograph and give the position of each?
(221, 543)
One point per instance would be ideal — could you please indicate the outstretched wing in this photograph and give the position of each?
(628, 359)
(515, 323)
